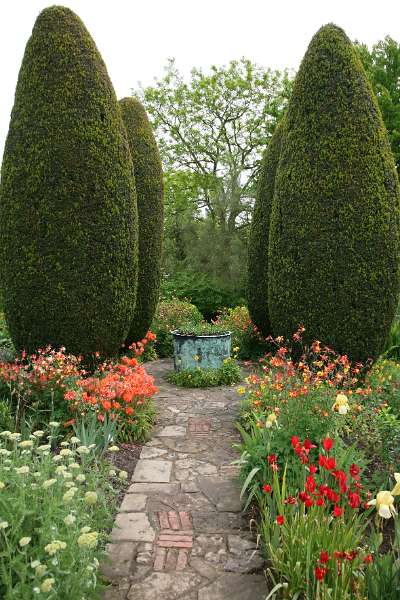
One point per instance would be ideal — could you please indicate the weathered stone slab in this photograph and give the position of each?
(223, 493)
(119, 561)
(154, 488)
(151, 452)
(152, 471)
(235, 587)
(132, 527)
(172, 431)
(133, 503)
(164, 586)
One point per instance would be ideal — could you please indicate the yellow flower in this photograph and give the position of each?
(69, 495)
(241, 390)
(341, 404)
(396, 489)
(40, 570)
(88, 540)
(271, 419)
(75, 440)
(43, 448)
(90, 497)
(83, 450)
(2, 485)
(48, 483)
(123, 475)
(74, 465)
(24, 541)
(47, 584)
(26, 444)
(112, 473)
(54, 547)
(384, 503)
(81, 478)
(113, 449)
(196, 357)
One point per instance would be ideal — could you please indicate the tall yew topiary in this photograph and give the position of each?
(334, 235)
(68, 222)
(149, 188)
(257, 286)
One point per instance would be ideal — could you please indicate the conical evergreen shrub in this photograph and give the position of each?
(68, 222)
(334, 236)
(150, 203)
(257, 286)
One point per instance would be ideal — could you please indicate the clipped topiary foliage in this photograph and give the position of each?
(67, 202)
(257, 285)
(150, 202)
(334, 236)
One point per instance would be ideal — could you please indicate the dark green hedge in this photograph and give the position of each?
(150, 203)
(257, 285)
(67, 202)
(334, 236)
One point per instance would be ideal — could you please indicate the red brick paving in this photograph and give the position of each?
(199, 425)
(174, 541)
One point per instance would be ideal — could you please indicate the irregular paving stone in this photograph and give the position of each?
(224, 493)
(152, 471)
(234, 586)
(132, 527)
(203, 568)
(238, 544)
(250, 562)
(154, 488)
(172, 431)
(152, 452)
(217, 522)
(133, 503)
(189, 487)
(164, 586)
(113, 593)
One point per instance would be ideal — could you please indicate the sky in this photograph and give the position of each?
(136, 38)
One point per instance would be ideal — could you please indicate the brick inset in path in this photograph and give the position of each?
(174, 541)
(199, 425)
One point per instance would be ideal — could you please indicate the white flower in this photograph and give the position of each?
(70, 519)
(2, 485)
(66, 452)
(67, 475)
(22, 470)
(112, 473)
(54, 547)
(91, 446)
(57, 458)
(64, 444)
(40, 570)
(74, 465)
(38, 434)
(81, 478)
(54, 424)
(4, 452)
(113, 449)
(15, 437)
(3, 524)
(43, 448)
(69, 484)
(75, 440)
(5, 434)
(83, 450)
(24, 541)
(60, 469)
(35, 563)
(123, 475)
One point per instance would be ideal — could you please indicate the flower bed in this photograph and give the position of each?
(314, 488)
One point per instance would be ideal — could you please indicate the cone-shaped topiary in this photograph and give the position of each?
(149, 189)
(257, 286)
(67, 202)
(334, 235)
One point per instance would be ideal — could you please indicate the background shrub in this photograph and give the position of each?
(68, 231)
(246, 338)
(257, 285)
(334, 237)
(170, 315)
(149, 191)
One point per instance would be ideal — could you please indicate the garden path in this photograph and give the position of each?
(180, 532)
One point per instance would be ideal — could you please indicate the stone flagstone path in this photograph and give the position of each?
(179, 533)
